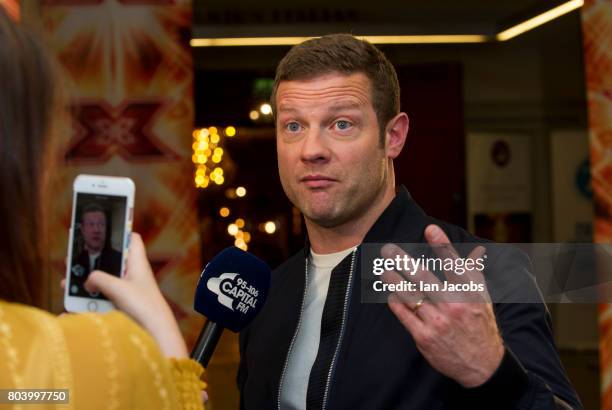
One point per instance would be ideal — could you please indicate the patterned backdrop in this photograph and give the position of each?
(597, 30)
(128, 71)
(11, 7)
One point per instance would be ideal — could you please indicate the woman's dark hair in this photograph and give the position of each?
(28, 105)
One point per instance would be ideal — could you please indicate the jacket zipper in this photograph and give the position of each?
(297, 330)
(342, 328)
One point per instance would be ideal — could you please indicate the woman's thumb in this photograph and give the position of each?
(109, 285)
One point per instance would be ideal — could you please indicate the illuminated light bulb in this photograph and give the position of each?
(218, 151)
(240, 235)
(195, 145)
(202, 137)
(218, 171)
(254, 115)
(232, 229)
(195, 133)
(199, 179)
(215, 138)
(246, 237)
(201, 159)
(230, 131)
(265, 109)
(239, 223)
(241, 191)
(224, 212)
(239, 243)
(270, 227)
(213, 130)
(194, 158)
(220, 180)
(202, 145)
(207, 152)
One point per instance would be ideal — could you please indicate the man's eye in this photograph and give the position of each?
(293, 127)
(343, 125)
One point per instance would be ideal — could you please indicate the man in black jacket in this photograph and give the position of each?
(97, 253)
(315, 345)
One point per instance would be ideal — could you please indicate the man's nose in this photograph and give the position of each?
(315, 147)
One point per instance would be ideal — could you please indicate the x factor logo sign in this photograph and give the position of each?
(102, 130)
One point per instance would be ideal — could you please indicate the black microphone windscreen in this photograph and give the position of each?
(232, 288)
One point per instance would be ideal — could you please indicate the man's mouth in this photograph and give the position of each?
(316, 181)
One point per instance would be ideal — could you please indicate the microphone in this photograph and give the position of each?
(231, 291)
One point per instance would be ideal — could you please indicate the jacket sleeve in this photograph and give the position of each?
(530, 375)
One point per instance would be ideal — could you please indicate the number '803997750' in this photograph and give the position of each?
(35, 396)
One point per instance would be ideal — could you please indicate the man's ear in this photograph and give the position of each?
(395, 134)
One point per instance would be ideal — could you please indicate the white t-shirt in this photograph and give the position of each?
(92, 260)
(306, 346)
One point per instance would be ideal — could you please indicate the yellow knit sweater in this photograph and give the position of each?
(106, 361)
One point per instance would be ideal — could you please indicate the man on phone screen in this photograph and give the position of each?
(97, 253)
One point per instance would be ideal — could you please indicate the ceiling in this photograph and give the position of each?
(242, 18)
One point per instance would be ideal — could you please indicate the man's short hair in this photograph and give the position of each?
(345, 54)
(90, 208)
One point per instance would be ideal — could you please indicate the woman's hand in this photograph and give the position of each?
(138, 295)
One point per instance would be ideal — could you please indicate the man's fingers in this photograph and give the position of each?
(406, 316)
(477, 276)
(111, 286)
(405, 296)
(435, 235)
(63, 284)
(443, 249)
(478, 253)
(419, 276)
(440, 243)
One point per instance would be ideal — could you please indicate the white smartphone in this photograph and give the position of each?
(100, 230)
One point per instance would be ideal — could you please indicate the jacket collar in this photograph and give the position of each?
(402, 221)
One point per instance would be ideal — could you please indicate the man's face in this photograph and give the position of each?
(330, 161)
(94, 230)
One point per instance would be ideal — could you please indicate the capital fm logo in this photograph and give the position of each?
(229, 288)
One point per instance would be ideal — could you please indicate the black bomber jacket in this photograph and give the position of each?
(368, 360)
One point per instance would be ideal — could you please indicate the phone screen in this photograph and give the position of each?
(98, 241)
